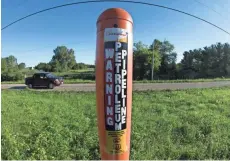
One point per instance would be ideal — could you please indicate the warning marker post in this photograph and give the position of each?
(114, 69)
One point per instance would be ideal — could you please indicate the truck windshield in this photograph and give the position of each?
(50, 75)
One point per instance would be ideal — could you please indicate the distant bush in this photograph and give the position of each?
(11, 76)
(84, 76)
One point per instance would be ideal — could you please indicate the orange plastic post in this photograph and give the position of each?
(114, 68)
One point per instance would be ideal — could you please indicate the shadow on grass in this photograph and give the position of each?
(18, 87)
(25, 87)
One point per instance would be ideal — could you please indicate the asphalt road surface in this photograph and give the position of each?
(136, 86)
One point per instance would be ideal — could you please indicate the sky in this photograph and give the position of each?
(34, 39)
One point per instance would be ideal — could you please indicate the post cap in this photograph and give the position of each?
(115, 13)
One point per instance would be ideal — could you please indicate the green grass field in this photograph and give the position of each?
(188, 124)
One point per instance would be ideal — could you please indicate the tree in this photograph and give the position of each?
(142, 64)
(158, 57)
(44, 67)
(90, 65)
(3, 65)
(226, 59)
(139, 46)
(10, 63)
(166, 47)
(22, 66)
(9, 67)
(209, 62)
(56, 66)
(167, 69)
(82, 66)
(188, 69)
(142, 61)
(155, 47)
(63, 59)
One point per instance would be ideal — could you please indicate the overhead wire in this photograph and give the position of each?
(208, 7)
(120, 1)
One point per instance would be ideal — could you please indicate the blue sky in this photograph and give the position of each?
(33, 40)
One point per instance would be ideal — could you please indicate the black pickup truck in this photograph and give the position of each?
(43, 79)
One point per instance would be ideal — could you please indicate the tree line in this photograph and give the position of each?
(63, 60)
(155, 61)
(10, 69)
(10, 64)
(209, 62)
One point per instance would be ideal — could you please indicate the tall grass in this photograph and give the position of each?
(188, 124)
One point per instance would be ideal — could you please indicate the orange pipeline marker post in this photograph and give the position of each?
(114, 68)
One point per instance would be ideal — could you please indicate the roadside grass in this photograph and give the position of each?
(76, 81)
(13, 82)
(183, 80)
(183, 124)
(66, 81)
(72, 72)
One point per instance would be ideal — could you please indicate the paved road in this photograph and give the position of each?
(137, 86)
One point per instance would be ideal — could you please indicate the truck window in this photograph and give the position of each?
(50, 75)
(41, 76)
(36, 75)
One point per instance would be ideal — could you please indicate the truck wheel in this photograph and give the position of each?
(51, 86)
(30, 85)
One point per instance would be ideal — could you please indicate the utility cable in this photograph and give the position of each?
(121, 1)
